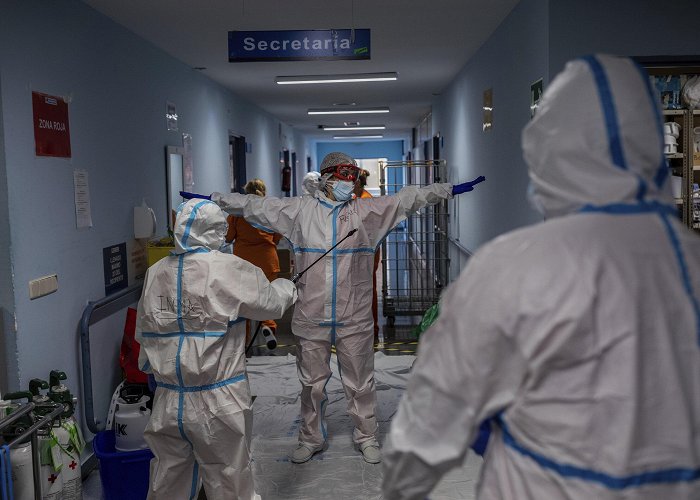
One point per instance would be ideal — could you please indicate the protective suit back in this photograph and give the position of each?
(578, 337)
(191, 329)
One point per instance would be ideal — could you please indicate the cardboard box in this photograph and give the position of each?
(696, 159)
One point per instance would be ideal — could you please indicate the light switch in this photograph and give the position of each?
(43, 286)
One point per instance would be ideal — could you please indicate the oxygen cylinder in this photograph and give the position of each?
(70, 439)
(20, 455)
(49, 452)
(22, 476)
(130, 419)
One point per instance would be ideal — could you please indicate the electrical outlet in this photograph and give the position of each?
(43, 286)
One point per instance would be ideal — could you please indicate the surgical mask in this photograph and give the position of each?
(342, 190)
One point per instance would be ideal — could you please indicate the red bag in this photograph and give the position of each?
(129, 352)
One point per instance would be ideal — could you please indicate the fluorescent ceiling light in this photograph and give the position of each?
(378, 136)
(369, 127)
(356, 77)
(347, 111)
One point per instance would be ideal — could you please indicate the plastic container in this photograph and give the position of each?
(154, 253)
(124, 474)
(130, 420)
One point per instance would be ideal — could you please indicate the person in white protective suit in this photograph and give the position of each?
(578, 337)
(191, 327)
(335, 294)
(309, 184)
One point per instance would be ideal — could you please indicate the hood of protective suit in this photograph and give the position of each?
(596, 139)
(309, 185)
(200, 225)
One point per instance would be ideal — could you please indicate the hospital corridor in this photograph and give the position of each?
(349, 250)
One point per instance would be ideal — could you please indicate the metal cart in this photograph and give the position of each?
(415, 259)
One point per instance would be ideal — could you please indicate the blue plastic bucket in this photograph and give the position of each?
(124, 474)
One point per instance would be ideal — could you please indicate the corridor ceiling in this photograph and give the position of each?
(425, 42)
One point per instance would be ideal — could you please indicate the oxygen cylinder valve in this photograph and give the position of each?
(35, 384)
(42, 401)
(59, 393)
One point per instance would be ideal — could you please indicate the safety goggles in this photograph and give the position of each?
(343, 171)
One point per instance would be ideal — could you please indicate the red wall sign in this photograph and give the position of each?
(51, 131)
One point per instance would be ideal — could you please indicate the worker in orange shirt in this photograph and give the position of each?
(259, 247)
(361, 192)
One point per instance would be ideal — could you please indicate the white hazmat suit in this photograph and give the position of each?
(191, 327)
(579, 336)
(335, 295)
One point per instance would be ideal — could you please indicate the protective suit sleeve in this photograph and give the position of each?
(264, 299)
(144, 364)
(413, 198)
(382, 213)
(468, 369)
(277, 214)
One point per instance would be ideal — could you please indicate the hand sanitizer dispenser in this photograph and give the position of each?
(144, 221)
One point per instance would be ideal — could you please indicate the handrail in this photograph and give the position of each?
(16, 415)
(46, 419)
(94, 425)
(461, 247)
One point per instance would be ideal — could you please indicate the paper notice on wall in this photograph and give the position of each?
(83, 214)
(136, 260)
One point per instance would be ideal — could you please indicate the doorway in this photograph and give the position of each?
(236, 157)
(294, 173)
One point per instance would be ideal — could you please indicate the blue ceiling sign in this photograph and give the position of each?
(298, 45)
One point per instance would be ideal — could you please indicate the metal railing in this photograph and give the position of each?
(31, 432)
(415, 254)
(87, 319)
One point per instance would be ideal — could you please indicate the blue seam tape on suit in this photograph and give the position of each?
(611, 122)
(671, 475)
(663, 211)
(200, 388)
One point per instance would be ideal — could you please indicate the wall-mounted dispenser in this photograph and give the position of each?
(144, 221)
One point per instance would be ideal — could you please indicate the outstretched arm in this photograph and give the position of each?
(276, 215)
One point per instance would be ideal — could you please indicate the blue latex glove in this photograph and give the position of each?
(482, 439)
(152, 382)
(466, 186)
(189, 196)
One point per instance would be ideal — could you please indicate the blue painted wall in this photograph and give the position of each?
(533, 42)
(622, 27)
(513, 58)
(118, 86)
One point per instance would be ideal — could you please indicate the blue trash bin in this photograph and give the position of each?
(124, 474)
